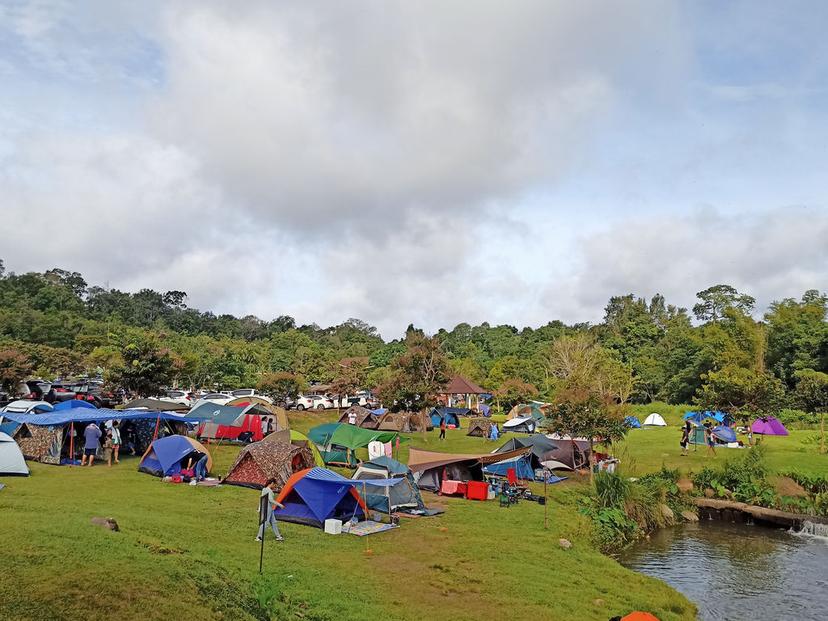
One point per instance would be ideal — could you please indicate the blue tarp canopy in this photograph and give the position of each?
(73, 403)
(699, 417)
(632, 422)
(84, 415)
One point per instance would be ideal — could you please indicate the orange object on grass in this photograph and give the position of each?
(640, 616)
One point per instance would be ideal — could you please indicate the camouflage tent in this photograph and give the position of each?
(271, 458)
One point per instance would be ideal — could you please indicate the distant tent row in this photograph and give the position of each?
(403, 422)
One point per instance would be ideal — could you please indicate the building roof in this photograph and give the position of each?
(459, 385)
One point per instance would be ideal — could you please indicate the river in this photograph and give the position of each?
(737, 572)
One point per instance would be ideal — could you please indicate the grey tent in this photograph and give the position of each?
(564, 453)
(156, 405)
(405, 495)
(364, 417)
(11, 458)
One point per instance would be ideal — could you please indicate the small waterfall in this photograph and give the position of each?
(814, 529)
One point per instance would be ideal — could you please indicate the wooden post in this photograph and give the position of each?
(545, 499)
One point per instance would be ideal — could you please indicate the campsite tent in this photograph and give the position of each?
(632, 422)
(700, 417)
(337, 442)
(479, 427)
(403, 495)
(156, 405)
(769, 426)
(301, 439)
(533, 409)
(552, 454)
(722, 434)
(278, 414)
(654, 420)
(431, 468)
(523, 424)
(228, 422)
(314, 495)
(73, 403)
(363, 417)
(572, 452)
(24, 406)
(11, 459)
(271, 458)
(166, 456)
(452, 416)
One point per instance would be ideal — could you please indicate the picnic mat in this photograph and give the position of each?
(369, 527)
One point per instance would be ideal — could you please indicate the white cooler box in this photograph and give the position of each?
(333, 527)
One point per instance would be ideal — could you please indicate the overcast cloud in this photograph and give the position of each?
(424, 162)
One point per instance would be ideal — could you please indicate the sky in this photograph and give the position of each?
(423, 162)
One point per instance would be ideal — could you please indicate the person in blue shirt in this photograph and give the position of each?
(92, 438)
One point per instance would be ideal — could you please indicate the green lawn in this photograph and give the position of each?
(189, 552)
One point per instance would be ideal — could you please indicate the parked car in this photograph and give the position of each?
(41, 390)
(179, 396)
(346, 401)
(93, 392)
(314, 402)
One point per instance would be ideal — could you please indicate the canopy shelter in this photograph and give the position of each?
(52, 437)
(228, 422)
(655, 420)
(632, 422)
(535, 409)
(271, 458)
(363, 417)
(523, 424)
(11, 458)
(73, 403)
(430, 468)
(452, 416)
(314, 495)
(461, 392)
(405, 494)
(769, 426)
(278, 414)
(167, 456)
(23, 406)
(700, 417)
(479, 427)
(337, 442)
(156, 405)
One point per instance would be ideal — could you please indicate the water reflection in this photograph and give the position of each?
(734, 571)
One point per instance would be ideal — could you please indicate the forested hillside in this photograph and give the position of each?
(55, 324)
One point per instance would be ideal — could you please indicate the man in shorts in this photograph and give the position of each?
(92, 435)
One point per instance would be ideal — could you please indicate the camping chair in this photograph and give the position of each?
(511, 477)
(508, 495)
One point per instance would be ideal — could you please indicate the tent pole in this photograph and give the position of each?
(157, 423)
(71, 443)
(545, 500)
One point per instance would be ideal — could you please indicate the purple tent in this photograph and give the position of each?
(769, 426)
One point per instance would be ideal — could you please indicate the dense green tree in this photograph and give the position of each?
(715, 300)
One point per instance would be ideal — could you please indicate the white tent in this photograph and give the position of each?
(11, 459)
(654, 420)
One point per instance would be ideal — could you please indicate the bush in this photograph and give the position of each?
(743, 479)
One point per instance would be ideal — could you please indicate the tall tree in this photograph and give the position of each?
(714, 300)
(417, 376)
(14, 367)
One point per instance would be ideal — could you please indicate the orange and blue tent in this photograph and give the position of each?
(314, 495)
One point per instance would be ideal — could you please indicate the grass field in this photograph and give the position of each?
(189, 552)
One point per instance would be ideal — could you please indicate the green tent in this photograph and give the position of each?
(337, 442)
(301, 437)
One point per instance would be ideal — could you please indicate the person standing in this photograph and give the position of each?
(442, 428)
(269, 426)
(267, 502)
(115, 439)
(352, 417)
(92, 442)
(685, 438)
(711, 441)
(264, 425)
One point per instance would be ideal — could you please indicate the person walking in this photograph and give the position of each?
(92, 442)
(442, 428)
(115, 439)
(685, 438)
(267, 502)
(711, 441)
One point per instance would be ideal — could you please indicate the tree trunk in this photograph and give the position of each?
(822, 434)
(591, 460)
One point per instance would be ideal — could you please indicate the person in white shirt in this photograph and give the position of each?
(352, 418)
(270, 500)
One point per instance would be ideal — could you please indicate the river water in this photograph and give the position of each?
(737, 572)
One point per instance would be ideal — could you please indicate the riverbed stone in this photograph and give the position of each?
(690, 516)
(685, 485)
(667, 513)
(565, 543)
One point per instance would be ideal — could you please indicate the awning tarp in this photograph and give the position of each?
(83, 415)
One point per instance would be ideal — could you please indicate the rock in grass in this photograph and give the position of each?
(109, 523)
(667, 513)
(565, 544)
(690, 516)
